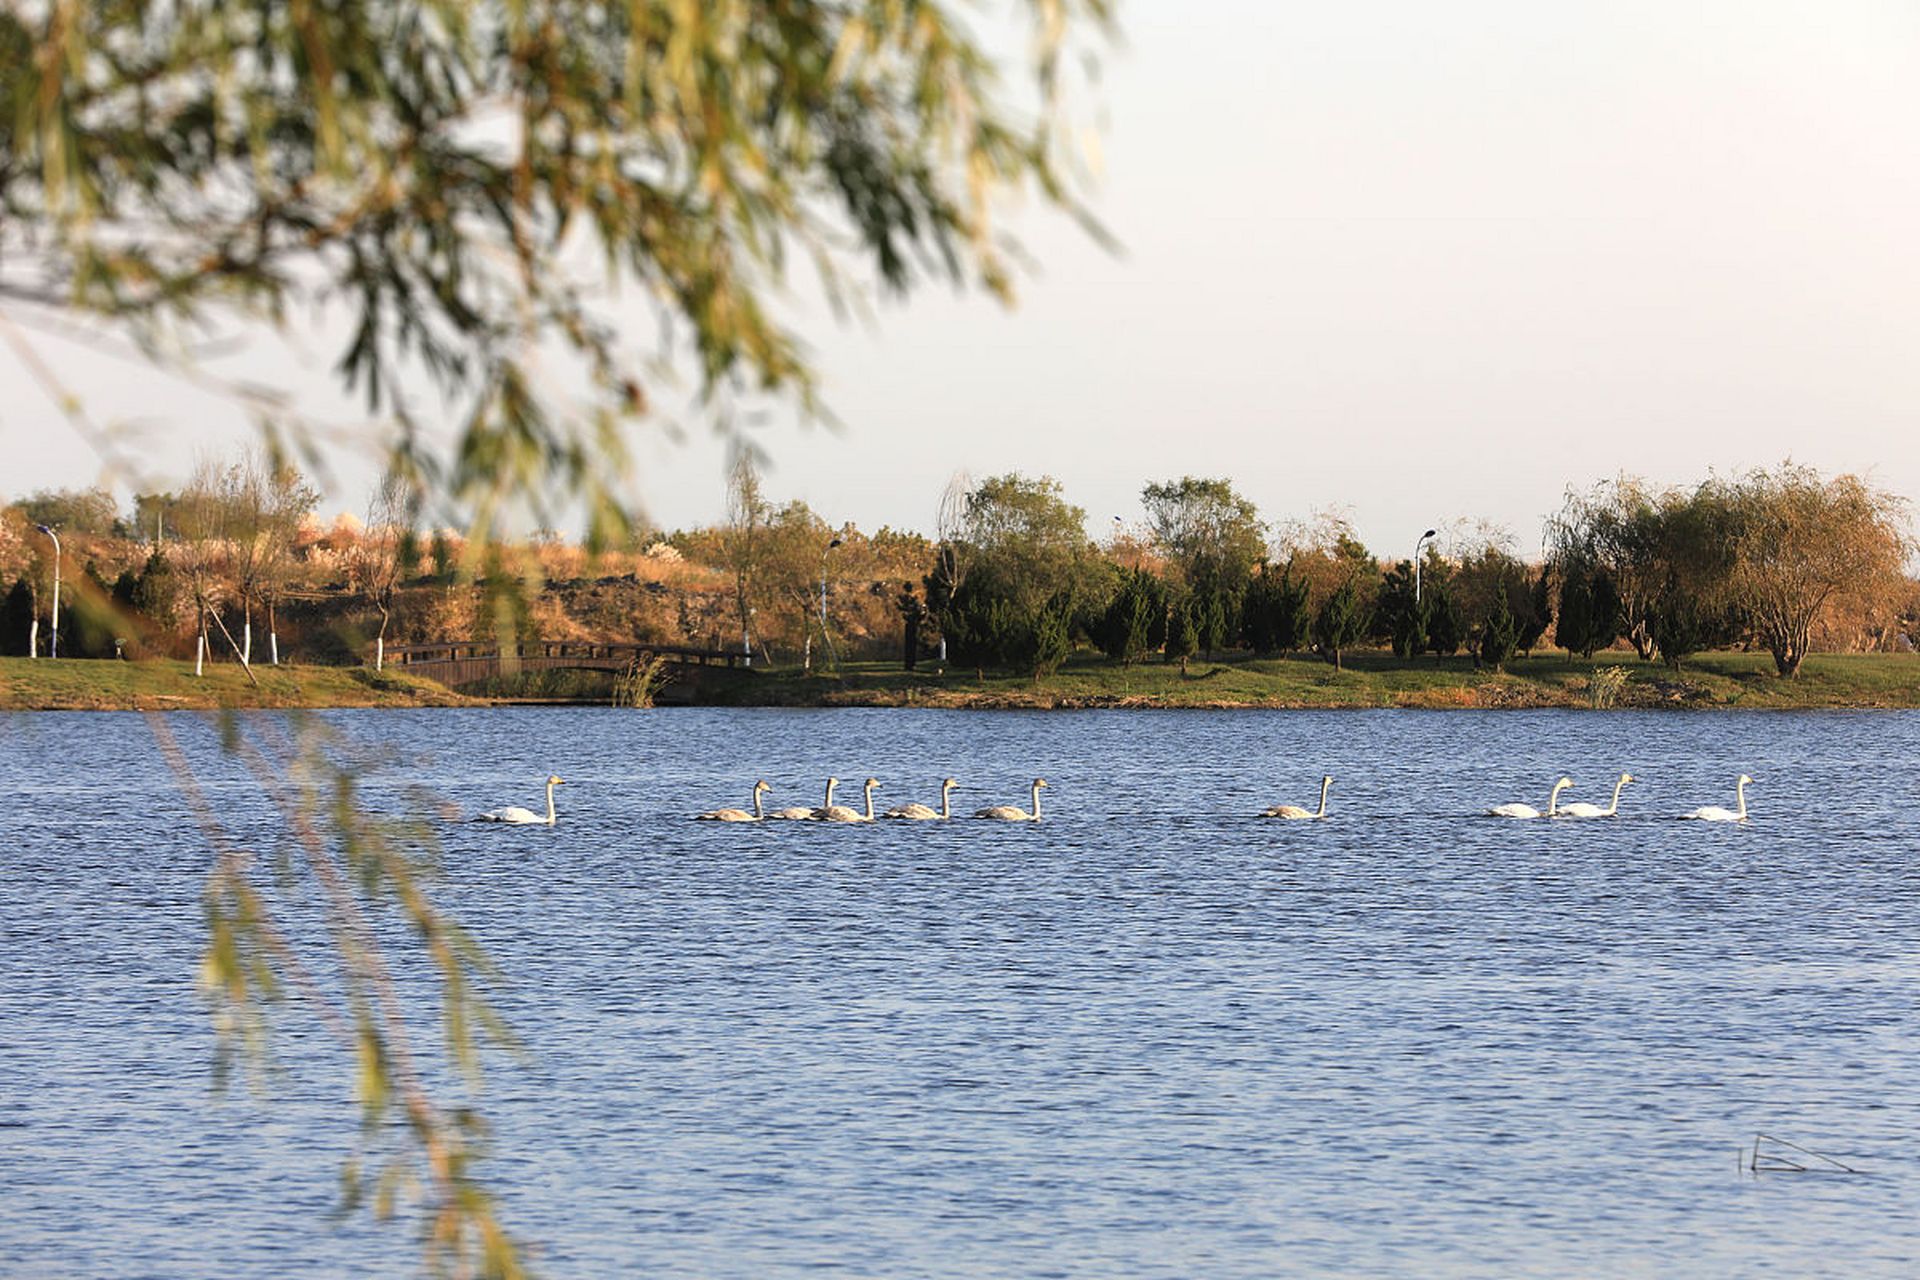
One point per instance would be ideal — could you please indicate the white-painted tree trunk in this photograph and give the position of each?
(273, 646)
(246, 644)
(200, 654)
(380, 653)
(33, 639)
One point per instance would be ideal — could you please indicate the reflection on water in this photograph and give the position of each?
(1152, 1036)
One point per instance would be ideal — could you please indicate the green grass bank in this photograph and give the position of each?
(71, 684)
(1720, 680)
(1369, 679)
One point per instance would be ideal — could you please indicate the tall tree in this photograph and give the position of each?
(741, 545)
(1446, 623)
(286, 501)
(379, 559)
(1032, 537)
(1137, 610)
(1341, 622)
(1615, 526)
(91, 511)
(198, 550)
(1396, 613)
(1499, 633)
(1802, 542)
(1207, 531)
(1050, 643)
(1537, 616)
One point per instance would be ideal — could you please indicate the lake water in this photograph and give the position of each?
(1151, 1036)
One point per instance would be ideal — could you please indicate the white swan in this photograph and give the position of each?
(1714, 813)
(1295, 811)
(800, 812)
(923, 813)
(1012, 813)
(831, 812)
(1585, 810)
(827, 805)
(517, 816)
(740, 815)
(1527, 810)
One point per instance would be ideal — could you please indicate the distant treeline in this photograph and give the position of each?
(1783, 560)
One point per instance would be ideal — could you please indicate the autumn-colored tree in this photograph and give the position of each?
(379, 561)
(1801, 543)
(197, 552)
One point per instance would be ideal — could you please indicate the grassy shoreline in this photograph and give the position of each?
(1722, 680)
(73, 684)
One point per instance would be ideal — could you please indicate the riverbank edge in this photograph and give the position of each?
(1728, 682)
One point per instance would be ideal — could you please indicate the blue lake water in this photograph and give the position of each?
(1151, 1036)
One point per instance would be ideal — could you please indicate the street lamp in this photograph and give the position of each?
(53, 648)
(826, 639)
(1416, 562)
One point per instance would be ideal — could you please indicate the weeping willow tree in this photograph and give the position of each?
(472, 186)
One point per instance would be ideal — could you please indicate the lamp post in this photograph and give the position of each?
(1416, 562)
(53, 647)
(826, 639)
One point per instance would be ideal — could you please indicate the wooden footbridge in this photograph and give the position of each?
(460, 662)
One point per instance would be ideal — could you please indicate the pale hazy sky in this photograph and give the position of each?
(1423, 261)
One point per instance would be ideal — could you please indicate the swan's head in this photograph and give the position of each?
(1744, 780)
(1562, 785)
(1627, 777)
(1039, 782)
(762, 785)
(1327, 781)
(872, 783)
(554, 780)
(949, 784)
(833, 782)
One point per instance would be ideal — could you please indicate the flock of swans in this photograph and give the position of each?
(916, 812)
(828, 811)
(1706, 813)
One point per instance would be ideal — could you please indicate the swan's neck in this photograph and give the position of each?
(1036, 802)
(831, 784)
(946, 802)
(756, 804)
(1740, 794)
(1614, 808)
(551, 816)
(1325, 784)
(869, 804)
